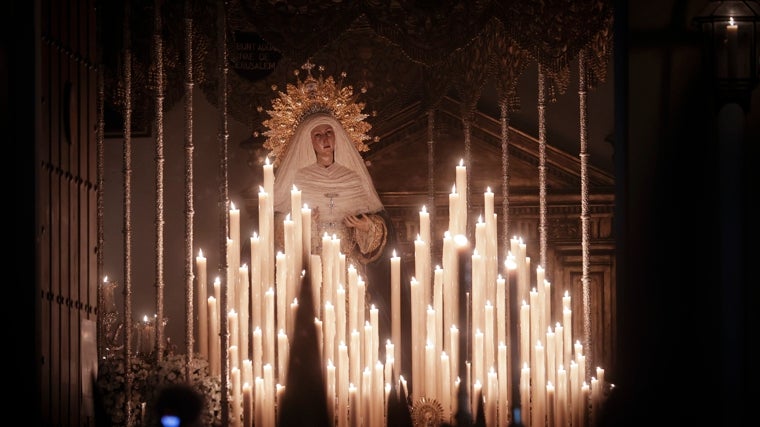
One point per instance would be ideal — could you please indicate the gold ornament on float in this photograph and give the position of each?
(314, 95)
(427, 412)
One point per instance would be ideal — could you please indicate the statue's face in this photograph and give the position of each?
(323, 140)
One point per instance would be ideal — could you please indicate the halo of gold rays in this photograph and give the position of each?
(427, 412)
(314, 95)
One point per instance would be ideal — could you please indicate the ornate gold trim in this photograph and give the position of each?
(314, 95)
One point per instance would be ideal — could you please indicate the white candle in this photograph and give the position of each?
(559, 349)
(247, 404)
(214, 350)
(562, 399)
(368, 360)
(342, 387)
(256, 288)
(478, 369)
(283, 352)
(243, 313)
(218, 292)
(259, 401)
(374, 319)
(454, 359)
(550, 403)
(567, 316)
(233, 331)
(236, 400)
(202, 301)
(538, 389)
(270, 402)
(233, 355)
(329, 338)
(269, 309)
(461, 180)
(454, 198)
(525, 394)
(501, 315)
(340, 315)
(551, 357)
(354, 361)
(234, 224)
(489, 339)
(258, 353)
(445, 389)
(504, 384)
(306, 232)
(732, 43)
(268, 177)
(233, 258)
(281, 291)
(421, 263)
(389, 355)
(331, 387)
(431, 369)
(354, 309)
(492, 396)
(418, 336)
(396, 312)
(353, 400)
(297, 217)
(425, 224)
(267, 242)
(438, 307)
(378, 395)
(525, 333)
(534, 325)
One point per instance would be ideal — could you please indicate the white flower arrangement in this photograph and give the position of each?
(148, 377)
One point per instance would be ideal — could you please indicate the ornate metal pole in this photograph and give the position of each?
(158, 55)
(585, 230)
(542, 165)
(189, 209)
(127, 205)
(224, 207)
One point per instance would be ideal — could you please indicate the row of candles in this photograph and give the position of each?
(492, 349)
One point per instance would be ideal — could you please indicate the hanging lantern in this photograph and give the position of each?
(730, 35)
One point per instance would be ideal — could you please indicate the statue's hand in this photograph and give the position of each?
(361, 222)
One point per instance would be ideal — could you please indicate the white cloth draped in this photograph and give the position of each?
(348, 177)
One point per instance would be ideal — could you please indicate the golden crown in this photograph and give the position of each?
(314, 95)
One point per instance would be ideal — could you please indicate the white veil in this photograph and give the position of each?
(300, 153)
